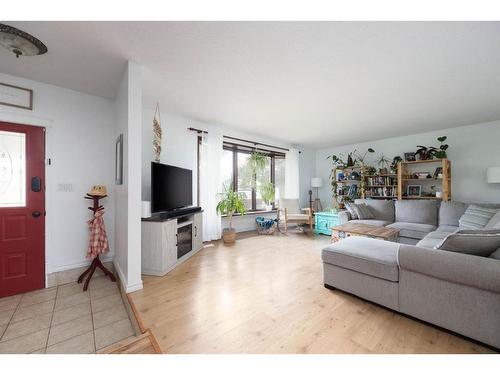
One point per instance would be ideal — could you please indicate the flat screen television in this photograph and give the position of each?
(171, 187)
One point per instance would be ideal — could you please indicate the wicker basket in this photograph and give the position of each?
(262, 230)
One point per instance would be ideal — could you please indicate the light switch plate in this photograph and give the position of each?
(65, 187)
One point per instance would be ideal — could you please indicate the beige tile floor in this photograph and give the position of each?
(64, 319)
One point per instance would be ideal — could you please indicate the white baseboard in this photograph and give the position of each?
(84, 263)
(69, 275)
(134, 287)
(124, 281)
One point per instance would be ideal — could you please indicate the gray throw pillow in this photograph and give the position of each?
(474, 242)
(476, 217)
(496, 254)
(363, 211)
(494, 222)
(350, 208)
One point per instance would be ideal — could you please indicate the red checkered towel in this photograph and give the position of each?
(98, 241)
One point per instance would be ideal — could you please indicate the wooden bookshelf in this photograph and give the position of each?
(343, 185)
(380, 186)
(406, 177)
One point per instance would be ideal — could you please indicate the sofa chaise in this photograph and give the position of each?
(459, 292)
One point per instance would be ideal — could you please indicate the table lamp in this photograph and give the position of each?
(317, 182)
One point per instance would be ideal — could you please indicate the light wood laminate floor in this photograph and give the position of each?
(265, 295)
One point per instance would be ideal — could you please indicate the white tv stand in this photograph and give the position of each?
(166, 243)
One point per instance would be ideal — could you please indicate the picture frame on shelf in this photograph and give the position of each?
(414, 190)
(410, 156)
(438, 173)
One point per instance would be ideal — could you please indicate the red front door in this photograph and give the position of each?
(22, 208)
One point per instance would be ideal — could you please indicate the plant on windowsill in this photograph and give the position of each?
(230, 202)
(268, 195)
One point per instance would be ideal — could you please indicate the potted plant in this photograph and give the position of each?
(383, 162)
(268, 195)
(441, 153)
(361, 158)
(350, 160)
(395, 162)
(369, 170)
(425, 153)
(230, 202)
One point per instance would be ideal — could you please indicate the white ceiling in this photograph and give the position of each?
(310, 83)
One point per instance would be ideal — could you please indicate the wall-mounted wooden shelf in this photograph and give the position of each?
(409, 168)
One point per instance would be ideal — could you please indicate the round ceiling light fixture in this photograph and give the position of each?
(19, 42)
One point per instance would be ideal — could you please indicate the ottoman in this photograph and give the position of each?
(365, 267)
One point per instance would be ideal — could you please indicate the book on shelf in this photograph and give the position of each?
(382, 180)
(386, 192)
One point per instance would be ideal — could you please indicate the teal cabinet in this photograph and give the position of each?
(324, 221)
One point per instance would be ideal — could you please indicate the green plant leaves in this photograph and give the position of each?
(231, 202)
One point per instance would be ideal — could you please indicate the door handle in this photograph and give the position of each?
(36, 214)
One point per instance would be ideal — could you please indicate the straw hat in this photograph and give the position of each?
(99, 190)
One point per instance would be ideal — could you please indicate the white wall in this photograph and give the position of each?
(307, 167)
(81, 146)
(179, 148)
(472, 149)
(128, 107)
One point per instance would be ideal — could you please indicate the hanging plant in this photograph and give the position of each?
(257, 162)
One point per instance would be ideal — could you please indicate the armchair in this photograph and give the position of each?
(292, 213)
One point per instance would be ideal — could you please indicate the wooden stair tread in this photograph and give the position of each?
(143, 344)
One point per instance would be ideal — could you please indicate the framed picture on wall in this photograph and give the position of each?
(15, 96)
(119, 160)
(414, 190)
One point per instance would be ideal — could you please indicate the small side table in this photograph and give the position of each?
(324, 221)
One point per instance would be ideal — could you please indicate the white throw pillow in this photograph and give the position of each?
(350, 208)
(494, 222)
(476, 217)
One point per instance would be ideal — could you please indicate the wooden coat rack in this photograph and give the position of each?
(96, 263)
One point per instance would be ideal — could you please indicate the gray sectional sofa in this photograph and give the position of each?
(417, 220)
(456, 291)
